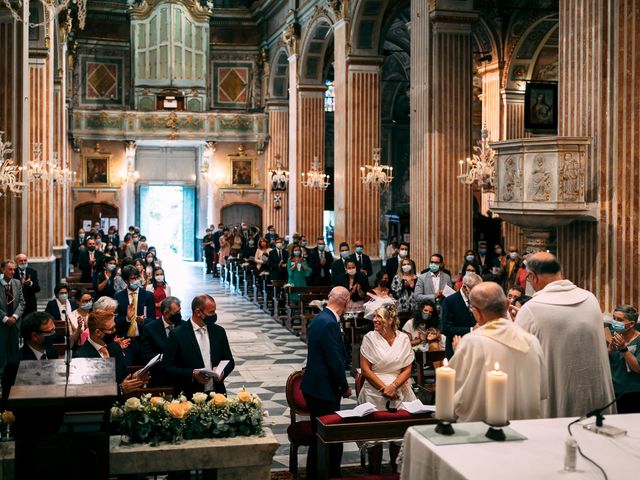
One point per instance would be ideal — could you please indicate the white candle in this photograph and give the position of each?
(496, 396)
(445, 389)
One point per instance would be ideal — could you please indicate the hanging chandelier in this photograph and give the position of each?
(480, 168)
(279, 177)
(315, 178)
(376, 175)
(38, 168)
(9, 171)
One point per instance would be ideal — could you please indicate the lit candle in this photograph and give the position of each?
(445, 389)
(460, 163)
(496, 396)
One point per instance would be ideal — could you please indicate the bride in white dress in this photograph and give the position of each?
(386, 358)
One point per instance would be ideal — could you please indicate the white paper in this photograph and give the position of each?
(217, 372)
(155, 360)
(418, 407)
(359, 411)
(448, 291)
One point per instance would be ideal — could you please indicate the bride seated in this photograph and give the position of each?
(386, 358)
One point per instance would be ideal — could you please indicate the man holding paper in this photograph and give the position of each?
(456, 313)
(196, 352)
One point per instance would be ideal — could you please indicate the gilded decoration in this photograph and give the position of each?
(103, 121)
(236, 123)
(291, 38)
(201, 11)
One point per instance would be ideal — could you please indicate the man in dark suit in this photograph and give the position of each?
(394, 262)
(320, 261)
(29, 279)
(339, 268)
(90, 261)
(156, 334)
(197, 344)
(35, 329)
(134, 305)
(11, 310)
(112, 237)
(278, 261)
(457, 318)
(324, 381)
(100, 344)
(77, 246)
(362, 261)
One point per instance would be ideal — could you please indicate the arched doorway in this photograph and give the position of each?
(89, 213)
(242, 212)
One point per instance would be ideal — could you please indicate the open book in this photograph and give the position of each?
(154, 361)
(359, 411)
(418, 407)
(216, 372)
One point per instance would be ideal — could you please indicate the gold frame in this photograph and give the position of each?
(85, 170)
(233, 160)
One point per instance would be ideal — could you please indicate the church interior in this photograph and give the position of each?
(457, 128)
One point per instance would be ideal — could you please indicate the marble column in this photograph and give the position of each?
(357, 125)
(309, 145)
(599, 74)
(441, 69)
(277, 203)
(61, 191)
(292, 149)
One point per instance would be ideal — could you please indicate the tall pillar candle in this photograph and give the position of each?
(445, 390)
(496, 396)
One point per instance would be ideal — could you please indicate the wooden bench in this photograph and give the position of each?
(376, 426)
(290, 306)
(308, 312)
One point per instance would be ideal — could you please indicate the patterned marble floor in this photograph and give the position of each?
(265, 352)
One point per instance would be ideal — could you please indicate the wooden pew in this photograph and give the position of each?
(307, 312)
(290, 306)
(277, 286)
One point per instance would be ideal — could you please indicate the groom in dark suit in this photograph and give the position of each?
(324, 381)
(457, 318)
(199, 343)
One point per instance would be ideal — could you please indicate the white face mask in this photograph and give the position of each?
(513, 255)
(406, 268)
(351, 271)
(403, 253)
(159, 278)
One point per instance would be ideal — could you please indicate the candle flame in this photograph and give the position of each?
(496, 366)
(445, 363)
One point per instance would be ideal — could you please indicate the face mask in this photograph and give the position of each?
(211, 318)
(617, 326)
(149, 259)
(403, 253)
(251, 243)
(208, 232)
(22, 266)
(468, 272)
(279, 246)
(136, 239)
(175, 318)
(272, 232)
(135, 285)
(513, 255)
(469, 258)
(483, 251)
(384, 283)
(109, 337)
(296, 253)
(159, 278)
(87, 306)
(434, 267)
(344, 254)
(351, 271)
(111, 267)
(303, 243)
(426, 315)
(321, 248)
(359, 250)
(63, 297)
(406, 268)
(498, 251)
(295, 241)
(91, 249)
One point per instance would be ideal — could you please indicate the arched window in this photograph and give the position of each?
(330, 96)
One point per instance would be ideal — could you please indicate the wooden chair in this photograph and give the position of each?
(307, 312)
(298, 433)
(426, 360)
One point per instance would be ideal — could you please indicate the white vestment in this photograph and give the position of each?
(568, 322)
(520, 357)
(387, 361)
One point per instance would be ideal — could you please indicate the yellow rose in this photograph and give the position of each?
(157, 401)
(244, 396)
(177, 410)
(186, 406)
(8, 417)
(219, 400)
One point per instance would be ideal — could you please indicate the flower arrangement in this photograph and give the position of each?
(155, 419)
(7, 418)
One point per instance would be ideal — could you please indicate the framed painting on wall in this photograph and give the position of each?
(96, 170)
(541, 106)
(242, 174)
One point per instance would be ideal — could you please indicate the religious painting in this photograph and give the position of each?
(242, 174)
(96, 170)
(541, 106)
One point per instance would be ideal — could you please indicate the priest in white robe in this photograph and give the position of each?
(568, 322)
(497, 340)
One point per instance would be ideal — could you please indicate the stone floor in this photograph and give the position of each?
(265, 352)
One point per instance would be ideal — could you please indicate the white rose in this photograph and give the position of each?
(131, 404)
(116, 412)
(199, 397)
(183, 398)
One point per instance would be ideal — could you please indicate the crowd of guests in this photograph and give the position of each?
(122, 308)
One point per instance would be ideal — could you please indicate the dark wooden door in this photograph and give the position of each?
(242, 212)
(94, 212)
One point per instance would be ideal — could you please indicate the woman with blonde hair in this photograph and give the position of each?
(386, 358)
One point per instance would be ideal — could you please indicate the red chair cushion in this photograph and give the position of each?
(300, 432)
(384, 476)
(299, 403)
(334, 418)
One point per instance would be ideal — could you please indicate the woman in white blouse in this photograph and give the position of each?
(79, 317)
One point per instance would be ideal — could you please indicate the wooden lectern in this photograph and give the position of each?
(62, 418)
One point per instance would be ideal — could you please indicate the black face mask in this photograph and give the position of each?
(109, 337)
(176, 318)
(91, 249)
(211, 318)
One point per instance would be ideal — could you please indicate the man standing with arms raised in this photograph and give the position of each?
(324, 381)
(568, 322)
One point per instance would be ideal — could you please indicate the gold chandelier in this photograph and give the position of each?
(376, 175)
(315, 178)
(480, 168)
(9, 171)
